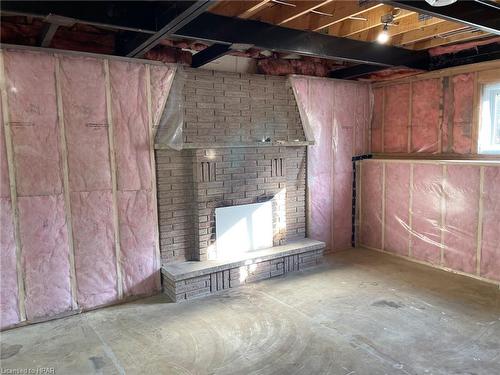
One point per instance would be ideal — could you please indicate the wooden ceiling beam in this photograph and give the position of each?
(405, 24)
(426, 32)
(373, 19)
(281, 14)
(337, 11)
(241, 9)
(441, 41)
(480, 14)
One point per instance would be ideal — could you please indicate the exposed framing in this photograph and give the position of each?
(65, 170)
(114, 186)
(444, 163)
(9, 149)
(157, 255)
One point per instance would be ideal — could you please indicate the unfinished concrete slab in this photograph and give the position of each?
(360, 312)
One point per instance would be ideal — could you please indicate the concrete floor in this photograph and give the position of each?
(359, 313)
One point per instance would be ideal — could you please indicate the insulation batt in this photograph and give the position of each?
(130, 121)
(52, 213)
(86, 123)
(9, 312)
(337, 114)
(33, 122)
(44, 238)
(431, 212)
(440, 119)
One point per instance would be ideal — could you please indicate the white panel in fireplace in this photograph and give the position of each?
(243, 228)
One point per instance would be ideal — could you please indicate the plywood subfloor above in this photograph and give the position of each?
(354, 20)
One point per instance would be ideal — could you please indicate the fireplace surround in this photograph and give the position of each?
(228, 139)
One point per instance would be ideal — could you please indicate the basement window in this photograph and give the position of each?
(489, 134)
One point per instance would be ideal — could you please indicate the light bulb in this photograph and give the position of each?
(383, 37)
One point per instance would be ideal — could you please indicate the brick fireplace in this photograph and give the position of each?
(192, 183)
(229, 139)
(232, 113)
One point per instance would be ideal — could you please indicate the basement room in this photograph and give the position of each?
(250, 187)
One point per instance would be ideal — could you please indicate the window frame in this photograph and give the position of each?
(484, 78)
(493, 91)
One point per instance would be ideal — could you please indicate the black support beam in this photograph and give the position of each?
(474, 55)
(354, 71)
(48, 32)
(210, 54)
(226, 30)
(140, 45)
(148, 17)
(137, 16)
(481, 14)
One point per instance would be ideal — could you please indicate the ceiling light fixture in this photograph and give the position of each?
(383, 36)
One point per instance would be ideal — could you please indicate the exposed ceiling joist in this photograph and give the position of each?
(440, 40)
(426, 32)
(254, 9)
(481, 14)
(333, 12)
(405, 24)
(210, 54)
(240, 31)
(277, 38)
(241, 9)
(365, 21)
(286, 14)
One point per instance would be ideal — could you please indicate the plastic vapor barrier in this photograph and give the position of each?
(172, 121)
(443, 213)
(77, 135)
(336, 115)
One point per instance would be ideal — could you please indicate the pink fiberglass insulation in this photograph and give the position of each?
(490, 250)
(362, 114)
(9, 312)
(319, 176)
(396, 115)
(93, 237)
(342, 186)
(31, 91)
(371, 204)
(453, 200)
(86, 124)
(344, 102)
(4, 169)
(342, 211)
(131, 128)
(337, 114)
(463, 94)
(461, 214)
(44, 239)
(425, 115)
(397, 210)
(161, 81)
(426, 212)
(377, 120)
(137, 241)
